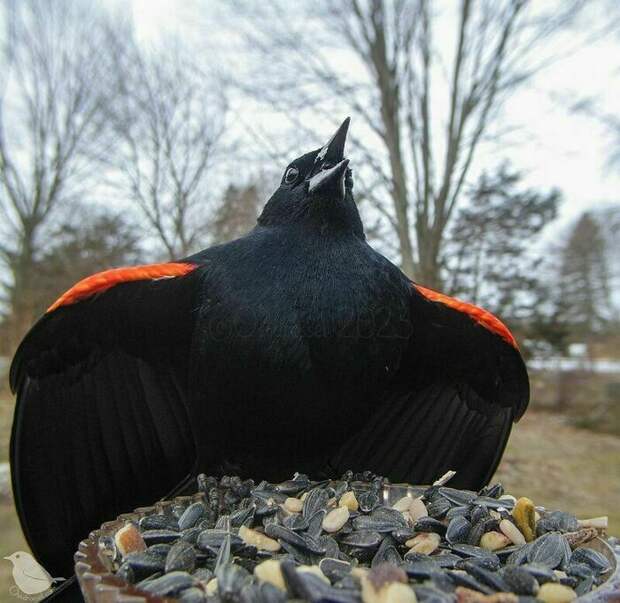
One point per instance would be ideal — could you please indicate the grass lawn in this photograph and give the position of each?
(562, 467)
(556, 465)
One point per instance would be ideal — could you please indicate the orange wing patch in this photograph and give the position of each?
(102, 281)
(481, 316)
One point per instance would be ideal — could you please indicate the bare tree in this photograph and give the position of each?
(426, 101)
(52, 131)
(169, 122)
(610, 121)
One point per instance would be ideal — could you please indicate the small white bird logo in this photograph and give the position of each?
(30, 577)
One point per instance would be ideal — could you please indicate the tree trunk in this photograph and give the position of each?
(429, 265)
(407, 263)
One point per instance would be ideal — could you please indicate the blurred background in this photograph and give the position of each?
(485, 147)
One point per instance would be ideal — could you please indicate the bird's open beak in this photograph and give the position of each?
(328, 174)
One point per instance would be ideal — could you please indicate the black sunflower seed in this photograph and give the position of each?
(579, 570)
(390, 516)
(192, 595)
(230, 580)
(316, 500)
(438, 508)
(493, 503)
(242, 517)
(292, 487)
(463, 511)
(542, 573)
(520, 581)
(478, 514)
(584, 586)
(191, 516)
(158, 522)
(125, 572)
(303, 542)
(430, 594)
(446, 560)
(366, 522)
(334, 569)
(457, 497)
(209, 540)
(368, 501)
(467, 550)
(157, 536)
(386, 553)
(491, 578)
(420, 570)
(329, 545)
(494, 491)
(315, 523)
(548, 550)
(491, 563)
(590, 557)
(428, 524)
(401, 535)
(364, 539)
(181, 557)
(478, 530)
(458, 530)
(468, 581)
(191, 542)
(169, 584)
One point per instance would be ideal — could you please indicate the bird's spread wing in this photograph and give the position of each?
(101, 422)
(460, 386)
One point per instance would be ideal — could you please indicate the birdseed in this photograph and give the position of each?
(339, 541)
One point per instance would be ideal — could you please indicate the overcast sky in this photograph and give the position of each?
(554, 146)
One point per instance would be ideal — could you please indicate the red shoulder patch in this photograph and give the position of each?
(481, 316)
(101, 281)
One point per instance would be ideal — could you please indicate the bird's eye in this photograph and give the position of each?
(291, 175)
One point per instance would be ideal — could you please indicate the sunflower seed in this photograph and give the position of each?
(335, 519)
(323, 541)
(520, 581)
(169, 584)
(458, 530)
(590, 557)
(180, 557)
(555, 593)
(548, 550)
(191, 516)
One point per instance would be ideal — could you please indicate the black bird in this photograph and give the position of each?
(297, 347)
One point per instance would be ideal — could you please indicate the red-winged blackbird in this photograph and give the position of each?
(297, 347)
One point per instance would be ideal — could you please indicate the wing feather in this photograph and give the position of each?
(461, 384)
(102, 420)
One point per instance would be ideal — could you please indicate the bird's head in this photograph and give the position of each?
(316, 191)
(19, 557)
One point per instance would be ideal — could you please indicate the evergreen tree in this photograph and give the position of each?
(236, 213)
(584, 280)
(491, 260)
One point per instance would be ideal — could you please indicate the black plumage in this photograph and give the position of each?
(294, 348)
